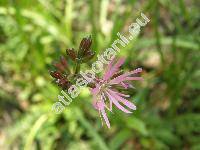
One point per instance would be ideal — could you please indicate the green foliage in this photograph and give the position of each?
(34, 33)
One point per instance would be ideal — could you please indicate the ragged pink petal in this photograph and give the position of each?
(124, 85)
(108, 69)
(100, 105)
(121, 94)
(123, 76)
(105, 117)
(103, 98)
(122, 100)
(122, 79)
(112, 70)
(120, 62)
(111, 97)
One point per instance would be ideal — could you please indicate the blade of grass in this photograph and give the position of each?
(38, 124)
(156, 13)
(68, 18)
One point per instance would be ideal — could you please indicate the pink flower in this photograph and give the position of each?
(105, 91)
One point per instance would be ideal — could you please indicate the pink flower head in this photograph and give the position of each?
(105, 91)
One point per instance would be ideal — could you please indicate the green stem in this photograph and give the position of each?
(77, 67)
(78, 64)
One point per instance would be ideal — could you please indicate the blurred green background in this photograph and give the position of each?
(33, 33)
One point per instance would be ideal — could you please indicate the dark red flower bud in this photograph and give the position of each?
(89, 55)
(59, 67)
(56, 74)
(63, 61)
(64, 83)
(71, 53)
(85, 44)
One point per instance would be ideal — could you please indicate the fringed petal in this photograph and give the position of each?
(108, 70)
(122, 100)
(123, 77)
(100, 106)
(112, 70)
(105, 117)
(120, 94)
(124, 85)
(111, 98)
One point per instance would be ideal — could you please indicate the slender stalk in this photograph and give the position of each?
(77, 67)
(78, 64)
